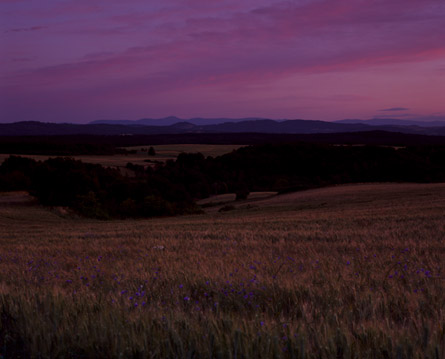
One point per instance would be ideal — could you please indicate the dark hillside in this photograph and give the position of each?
(108, 145)
(172, 188)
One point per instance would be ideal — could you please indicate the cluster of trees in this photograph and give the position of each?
(301, 166)
(95, 144)
(59, 145)
(93, 190)
(172, 188)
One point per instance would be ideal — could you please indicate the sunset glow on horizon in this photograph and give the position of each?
(79, 61)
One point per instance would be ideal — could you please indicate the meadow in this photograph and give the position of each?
(352, 271)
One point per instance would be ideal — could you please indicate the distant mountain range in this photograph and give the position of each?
(171, 120)
(433, 121)
(173, 125)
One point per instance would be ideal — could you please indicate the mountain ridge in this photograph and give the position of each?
(171, 120)
(33, 128)
(436, 122)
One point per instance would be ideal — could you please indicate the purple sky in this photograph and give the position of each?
(84, 60)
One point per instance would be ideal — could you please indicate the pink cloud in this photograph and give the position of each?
(135, 49)
(26, 29)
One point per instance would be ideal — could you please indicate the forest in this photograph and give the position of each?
(172, 188)
(70, 145)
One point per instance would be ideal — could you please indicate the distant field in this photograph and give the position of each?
(172, 151)
(163, 153)
(354, 271)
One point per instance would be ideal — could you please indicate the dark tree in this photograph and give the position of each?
(242, 193)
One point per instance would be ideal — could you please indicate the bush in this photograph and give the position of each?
(156, 206)
(242, 194)
(227, 208)
(88, 206)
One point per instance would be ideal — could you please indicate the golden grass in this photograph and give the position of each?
(348, 271)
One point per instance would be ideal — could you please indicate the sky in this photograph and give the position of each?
(84, 60)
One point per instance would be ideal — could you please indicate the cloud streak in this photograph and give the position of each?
(395, 109)
(226, 48)
(27, 29)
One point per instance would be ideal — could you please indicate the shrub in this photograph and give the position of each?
(227, 208)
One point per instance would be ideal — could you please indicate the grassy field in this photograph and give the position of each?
(352, 271)
(163, 153)
(231, 197)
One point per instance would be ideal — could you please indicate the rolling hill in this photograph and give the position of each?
(34, 128)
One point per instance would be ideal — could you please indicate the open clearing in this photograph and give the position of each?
(163, 153)
(354, 271)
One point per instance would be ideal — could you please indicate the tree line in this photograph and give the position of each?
(70, 145)
(173, 187)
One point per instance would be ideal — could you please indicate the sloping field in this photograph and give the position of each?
(352, 271)
(359, 197)
(352, 197)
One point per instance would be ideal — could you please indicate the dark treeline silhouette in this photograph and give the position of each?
(301, 166)
(171, 188)
(106, 145)
(93, 190)
(60, 145)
